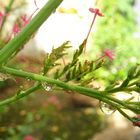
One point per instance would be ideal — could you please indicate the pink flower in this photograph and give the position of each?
(28, 137)
(108, 53)
(15, 29)
(96, 13)
(25, 19)
(1, 17)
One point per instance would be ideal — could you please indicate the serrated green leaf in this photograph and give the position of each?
(56, 54)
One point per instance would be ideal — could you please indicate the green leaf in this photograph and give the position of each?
(56, 54)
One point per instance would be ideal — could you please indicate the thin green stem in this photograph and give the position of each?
(19, 40)
(7, 10)
(124, 114)
(83, 90)
(134, 82)
(117, 89)
(20, 95)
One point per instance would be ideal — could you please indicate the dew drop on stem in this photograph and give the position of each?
(46, 86)
(21, 87)
(106, 108)
(28, 79)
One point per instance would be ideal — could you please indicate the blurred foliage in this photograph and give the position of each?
(47, 118)
(117, 31)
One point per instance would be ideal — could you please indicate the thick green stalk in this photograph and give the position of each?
(19, 40)
(82, 90)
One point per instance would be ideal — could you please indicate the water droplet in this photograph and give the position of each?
(22, 92)
(28, 79)
(106, 108)
(46, 86)
(21, 87)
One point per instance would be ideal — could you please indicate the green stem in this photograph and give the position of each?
(7, 10)
(124, 114)
(117, 89)
(134, 82)
(19, 40)
(83, 90)
(20, 95)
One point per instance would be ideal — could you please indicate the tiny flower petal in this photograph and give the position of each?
(28, 137)
(92, 10)
(96, 11)
(1, 17)
(108, 54)
(15, 29)
(25, 20)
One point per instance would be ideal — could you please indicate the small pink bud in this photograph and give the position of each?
(28, 137)
(108, 53)
(25, 20)
(15, 29)
(96, 11)
(1, 16)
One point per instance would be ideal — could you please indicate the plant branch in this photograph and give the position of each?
(20, 94)
(20, 39)
(82, 90)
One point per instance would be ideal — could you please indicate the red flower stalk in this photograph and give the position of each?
(96, 13)
(15, 29)
(2, 15)
(26, 20)
(107, 53)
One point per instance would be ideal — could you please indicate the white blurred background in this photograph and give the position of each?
(70, 22)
